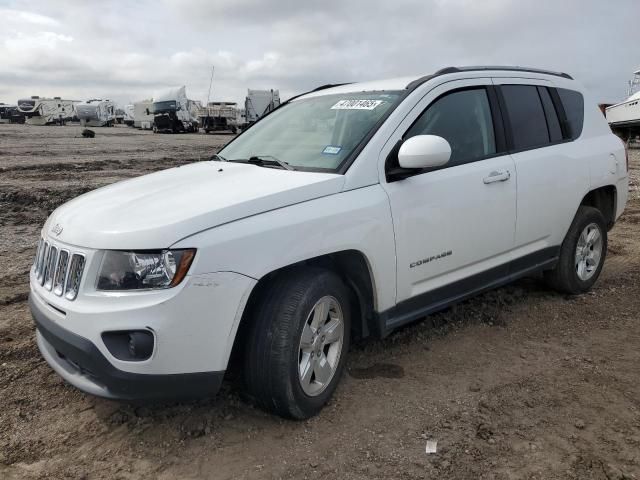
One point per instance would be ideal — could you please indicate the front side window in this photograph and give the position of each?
(526, 116)
(463, 118)
(317, 133)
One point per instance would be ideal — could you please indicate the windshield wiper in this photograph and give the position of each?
(264, 161)
(215, 156)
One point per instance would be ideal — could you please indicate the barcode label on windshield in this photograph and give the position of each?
(356, 105)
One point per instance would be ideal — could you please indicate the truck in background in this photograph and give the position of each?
(10, 114)
(259, 103)
(173, 112)
(220, 116)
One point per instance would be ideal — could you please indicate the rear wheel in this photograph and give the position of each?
(582, 253)
(298, 342)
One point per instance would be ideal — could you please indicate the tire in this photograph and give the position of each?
(577, 271)
(275, 352)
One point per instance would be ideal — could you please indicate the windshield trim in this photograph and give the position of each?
(342, 168)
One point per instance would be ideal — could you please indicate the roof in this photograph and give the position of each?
(409, 83)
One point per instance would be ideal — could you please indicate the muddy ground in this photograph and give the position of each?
(517, 383)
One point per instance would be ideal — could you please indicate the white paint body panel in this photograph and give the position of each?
(451, 209)
(424, 151)
(156, 210)
(246, 221)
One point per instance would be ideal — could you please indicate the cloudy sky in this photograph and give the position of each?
(125, 50)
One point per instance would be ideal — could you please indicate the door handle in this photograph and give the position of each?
(497, 176)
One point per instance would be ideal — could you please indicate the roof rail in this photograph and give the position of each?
(446, 70)
(328, 85)
(317, 89)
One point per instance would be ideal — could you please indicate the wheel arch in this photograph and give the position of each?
(354, 269)
(604, 199)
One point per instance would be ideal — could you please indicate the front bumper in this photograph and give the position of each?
(80, 362)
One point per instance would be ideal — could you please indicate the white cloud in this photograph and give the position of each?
(20, 16)
(126, 50)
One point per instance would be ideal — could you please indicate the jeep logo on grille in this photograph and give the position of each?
(57, 229)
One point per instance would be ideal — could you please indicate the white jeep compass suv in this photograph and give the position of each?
(348, 211)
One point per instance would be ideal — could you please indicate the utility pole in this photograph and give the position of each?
(210, 84)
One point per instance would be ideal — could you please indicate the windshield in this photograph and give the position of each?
(313, 133)
(167, 106)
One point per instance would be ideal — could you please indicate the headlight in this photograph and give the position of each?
(142, 270)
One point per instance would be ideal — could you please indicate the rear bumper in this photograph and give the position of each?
(80, 362)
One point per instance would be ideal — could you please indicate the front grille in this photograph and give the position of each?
(58, 269)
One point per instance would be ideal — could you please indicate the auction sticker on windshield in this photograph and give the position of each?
(331, 150)
(356, 104)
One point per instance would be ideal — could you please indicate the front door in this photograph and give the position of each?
(455, 225)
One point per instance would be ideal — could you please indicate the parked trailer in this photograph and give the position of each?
(129, 115)
(47, 111)
(96, 113)
(174, 112)
(143, 114)
(219, 116)
(259, 103)
(10, 114)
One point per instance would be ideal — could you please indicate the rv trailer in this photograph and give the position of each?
(10, 114)
(219, 116)
(259, 103)
(96, 113)
(46, 111)
(143, 114)
(173, 112)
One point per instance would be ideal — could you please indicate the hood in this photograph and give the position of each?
(155, 211)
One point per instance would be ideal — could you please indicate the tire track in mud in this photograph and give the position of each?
(516, 383)
(40, 173)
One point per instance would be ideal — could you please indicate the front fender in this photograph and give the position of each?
(255, 246)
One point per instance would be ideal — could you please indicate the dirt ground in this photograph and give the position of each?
(519, 383)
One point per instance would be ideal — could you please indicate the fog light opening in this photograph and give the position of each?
(131, 345)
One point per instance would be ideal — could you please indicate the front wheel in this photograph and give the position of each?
(582, 253)
(298, 342)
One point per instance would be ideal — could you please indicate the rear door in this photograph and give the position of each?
(458, 221)
(551, 174)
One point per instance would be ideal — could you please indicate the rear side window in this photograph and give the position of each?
(464, 119)
(526, 116)
(573, 104)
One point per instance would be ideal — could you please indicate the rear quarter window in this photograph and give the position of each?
(573, 104)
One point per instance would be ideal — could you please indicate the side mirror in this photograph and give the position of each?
(424, 151)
